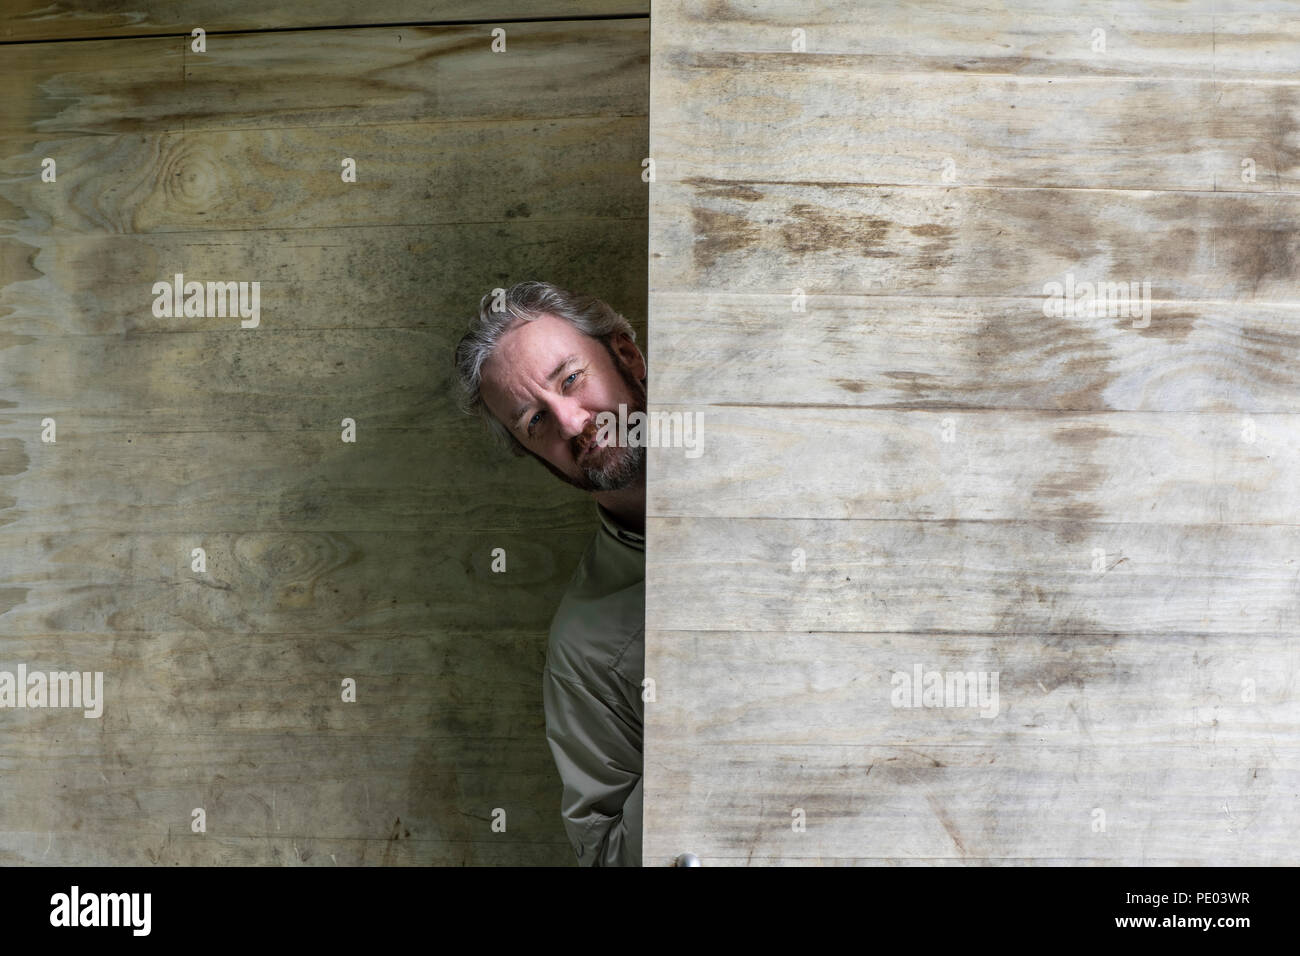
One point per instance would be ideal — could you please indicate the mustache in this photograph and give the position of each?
(579, 442)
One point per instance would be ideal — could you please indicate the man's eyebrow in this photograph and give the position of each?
(564, 363)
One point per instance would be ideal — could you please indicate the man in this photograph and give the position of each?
(539, 364)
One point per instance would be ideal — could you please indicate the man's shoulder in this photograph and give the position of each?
(599, 625)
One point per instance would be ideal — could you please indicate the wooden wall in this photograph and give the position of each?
(326, 560)
(1102, 512)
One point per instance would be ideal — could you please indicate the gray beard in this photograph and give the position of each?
(626, 465)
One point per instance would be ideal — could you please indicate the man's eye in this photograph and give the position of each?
(533, 421)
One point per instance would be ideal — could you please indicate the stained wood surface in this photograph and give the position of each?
(975, 352)
(29, 20)
(325, 560)
(905, 462)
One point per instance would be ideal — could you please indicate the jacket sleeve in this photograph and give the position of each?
(596, 738)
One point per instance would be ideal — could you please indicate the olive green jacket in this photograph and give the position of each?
(591, 691)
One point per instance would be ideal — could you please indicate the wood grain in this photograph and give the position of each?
(30, 20)
(322, 279)
(1015, 576)
(907, 461)
(1139, 468)
(774, 238)
(271, 581)
(1015, 131)
(1066, 692)
(275, 472)
(1144, 38)
(259, 179)
(325, 560)
(874, 805)
(362, 77)
(973, 352)
(1152, 729)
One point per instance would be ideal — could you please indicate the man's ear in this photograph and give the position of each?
(629, 355)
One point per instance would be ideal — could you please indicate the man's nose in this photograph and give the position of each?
(573, 418)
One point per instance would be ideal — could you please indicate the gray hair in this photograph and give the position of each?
(520, 303)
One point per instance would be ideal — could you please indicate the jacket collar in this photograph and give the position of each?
(619, 530)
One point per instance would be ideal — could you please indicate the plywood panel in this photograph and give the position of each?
(326, 560)
(910, 459)
(169, 848)
(1015, 576)
(29, 20)
(981, 129)
(1142, 727)
(1144, 38)
(1062, 692)
(335, 581)
(361, 77)
(974, 352)
(774, 238)
(274, 472)
(1140, 468)
(886, 806)
(262, 179)
(325, 279)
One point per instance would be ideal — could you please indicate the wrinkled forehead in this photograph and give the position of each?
(525, 355)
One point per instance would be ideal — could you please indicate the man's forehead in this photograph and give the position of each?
(526, 355)
(530, 350)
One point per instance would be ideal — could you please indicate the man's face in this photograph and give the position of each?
(547, 382)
